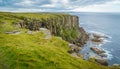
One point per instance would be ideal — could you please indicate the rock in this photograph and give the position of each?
(101, 61)
(82, 37)
(74, 48)
(77, 49)
(13, 32)
(96, 50)
(46, 32)
(30, 32)
(103, 55)
(74, 55)
(80, 55)
(99, 35)
(96, 35)
(97, 40)
(77, 55)
(9, 32)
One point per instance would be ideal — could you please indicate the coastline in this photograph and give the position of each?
(93, 47)
(45, 41)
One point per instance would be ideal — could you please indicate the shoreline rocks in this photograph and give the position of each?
(99, 35)
(75, 50)
(96, 50)
(97, 40)
(101, 61)
(103, 55)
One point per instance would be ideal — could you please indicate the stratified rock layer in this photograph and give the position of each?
(63, 25)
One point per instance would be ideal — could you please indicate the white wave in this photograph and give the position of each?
(109, 55)
(105, 41)
(101, 34)
(99, 44)
(82, 23)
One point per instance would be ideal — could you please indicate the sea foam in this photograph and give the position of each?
(100, 33)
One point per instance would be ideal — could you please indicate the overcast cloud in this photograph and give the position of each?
(52, 5)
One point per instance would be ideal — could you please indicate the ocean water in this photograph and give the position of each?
(107, 24)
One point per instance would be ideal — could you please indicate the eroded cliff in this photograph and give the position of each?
(23, 47)
(63, 25)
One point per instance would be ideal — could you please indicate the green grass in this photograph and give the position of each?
(9, 20)
(25, 51)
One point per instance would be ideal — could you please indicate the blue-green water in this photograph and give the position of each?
(108, 24)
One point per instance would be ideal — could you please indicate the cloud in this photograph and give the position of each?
(112, 6)
(33, 3)
(88, 2)
(51, 5)
(25, 3)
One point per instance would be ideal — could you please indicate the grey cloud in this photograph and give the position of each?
(40, 4)
(87, 2)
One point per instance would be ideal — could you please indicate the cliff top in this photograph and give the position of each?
(33, 51)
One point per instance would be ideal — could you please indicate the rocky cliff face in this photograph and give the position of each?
(65, 26)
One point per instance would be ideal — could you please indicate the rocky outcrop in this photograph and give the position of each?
(63, 25)
(46, 32)
(83, 37)
(74, 48)
(98, 38)
(103, 55)
(101, 61)
(96, 50)
(13, 32)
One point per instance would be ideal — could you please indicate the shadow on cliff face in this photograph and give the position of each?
(65, 26)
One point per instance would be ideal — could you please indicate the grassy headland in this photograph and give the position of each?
(33, 51)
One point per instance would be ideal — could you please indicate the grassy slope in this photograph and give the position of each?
(10, 19)
(25, 51)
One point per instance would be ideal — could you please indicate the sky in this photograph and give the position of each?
(60, 5)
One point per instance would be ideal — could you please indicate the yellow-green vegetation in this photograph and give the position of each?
(33, 51)
(25, 51)
(62, 25)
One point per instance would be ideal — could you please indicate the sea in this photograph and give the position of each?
(107, 24)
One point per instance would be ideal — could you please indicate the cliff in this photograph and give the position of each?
(63, 25)
(23, 47)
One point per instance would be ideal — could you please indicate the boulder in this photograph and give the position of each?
(101, 61)
(97, 40)
(96, 50)
(74, 48)
(13, 32)
(95, 35)
(46, 32)
(103, 55)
